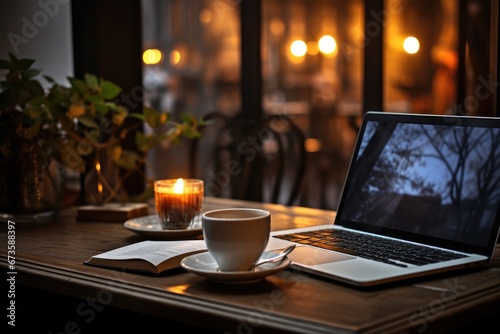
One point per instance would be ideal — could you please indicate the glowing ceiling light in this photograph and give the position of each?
(152, 56)
(327, 44)
(411, 45)
(298, 48)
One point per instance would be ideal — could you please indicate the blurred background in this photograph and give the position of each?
(312, 66)
(320, 63)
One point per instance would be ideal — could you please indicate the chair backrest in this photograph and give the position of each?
(258, 161)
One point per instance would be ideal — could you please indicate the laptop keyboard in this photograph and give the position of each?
(371, 247)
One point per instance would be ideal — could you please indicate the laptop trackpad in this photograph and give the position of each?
(312, 256)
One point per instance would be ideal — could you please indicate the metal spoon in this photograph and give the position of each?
(277, 257)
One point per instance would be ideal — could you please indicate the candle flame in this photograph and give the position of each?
(99, 187)
(179, 186)
(98, 166)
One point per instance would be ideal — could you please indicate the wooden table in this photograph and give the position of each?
(54, 290)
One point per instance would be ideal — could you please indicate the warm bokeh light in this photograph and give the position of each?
(411, 45)
(276, 27)
(298, 48)
(205, 15)
(152, 56)
(313, 145)
(327, 44)
(312, 48)
(175, 57)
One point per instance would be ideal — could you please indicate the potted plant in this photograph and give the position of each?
(79, 126)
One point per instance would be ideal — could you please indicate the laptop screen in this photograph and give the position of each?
(429, 176)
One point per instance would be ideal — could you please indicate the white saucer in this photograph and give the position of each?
(150, 226)
(203, 264)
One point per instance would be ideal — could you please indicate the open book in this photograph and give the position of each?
(148, 256)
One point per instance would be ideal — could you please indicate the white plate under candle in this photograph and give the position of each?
(150, 226)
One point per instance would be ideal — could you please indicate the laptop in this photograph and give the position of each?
(421, 197)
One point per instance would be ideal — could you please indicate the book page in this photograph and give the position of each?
(154, 251)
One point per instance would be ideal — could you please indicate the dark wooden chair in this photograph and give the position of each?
(259, 161)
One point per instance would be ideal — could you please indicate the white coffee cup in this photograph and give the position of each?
(236, 237)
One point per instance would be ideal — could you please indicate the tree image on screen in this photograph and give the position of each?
(438, 180)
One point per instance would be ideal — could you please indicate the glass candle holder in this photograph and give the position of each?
(178, 202)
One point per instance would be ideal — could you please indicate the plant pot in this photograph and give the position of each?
(30, 185)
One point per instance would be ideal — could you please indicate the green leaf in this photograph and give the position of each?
(93, 98)
(191, 133)
(37, 101)
(112, 105)
(143, 142)
(49, 79)
(153, 117)
(101, 107)
(187, 118)
(13, 58)
(88, 121)
(32, 72)
(24, 64)
(127, 160)
(36, 89)
(110, 90)
(79, 85)
(138, 116)
(91, 81)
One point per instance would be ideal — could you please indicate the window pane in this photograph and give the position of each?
(198, 70)
(312, 55)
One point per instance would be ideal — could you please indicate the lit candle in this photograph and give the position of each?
(178, 202)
